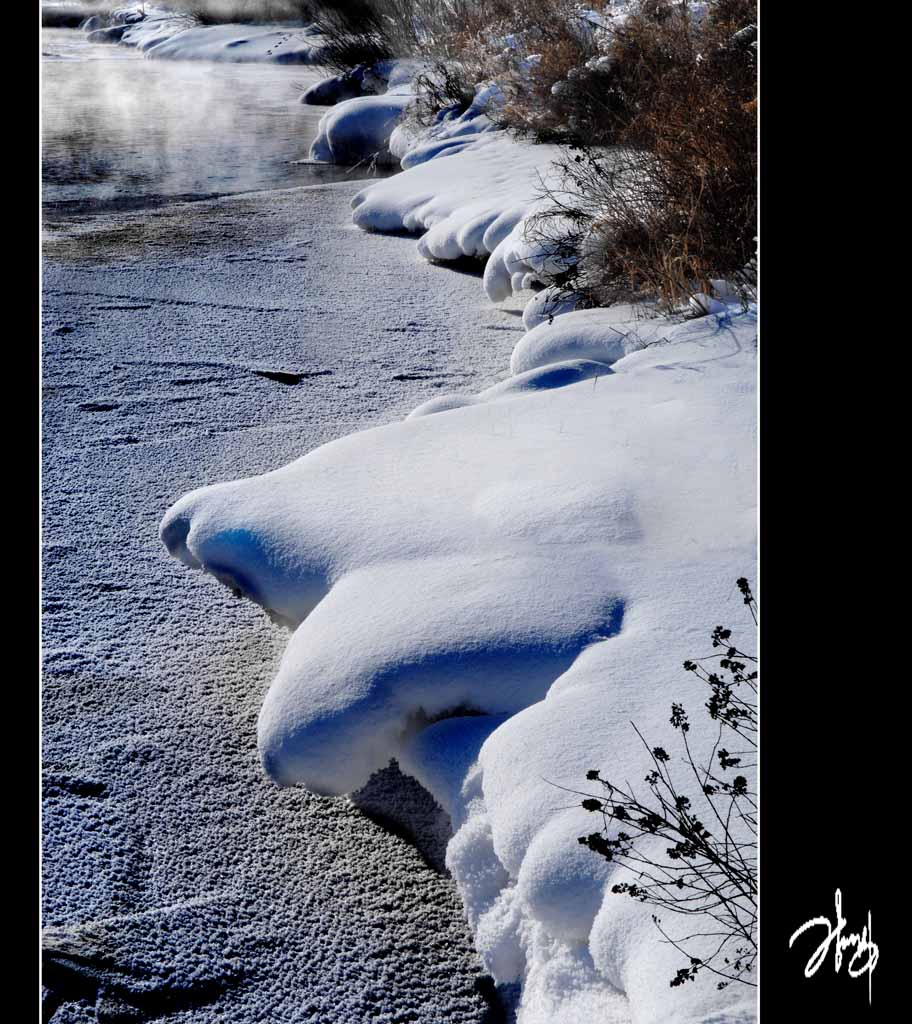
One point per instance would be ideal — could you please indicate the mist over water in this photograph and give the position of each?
(121, 131)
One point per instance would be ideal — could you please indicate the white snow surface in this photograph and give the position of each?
(602, 335)
(466, 187)
(545, 305)
(493, 589)
(360, 128)
(468, 194)
(546, 557)
(162, 33)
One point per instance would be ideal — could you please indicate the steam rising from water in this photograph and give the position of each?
(118, 127)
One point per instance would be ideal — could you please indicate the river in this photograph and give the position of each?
(123, 132)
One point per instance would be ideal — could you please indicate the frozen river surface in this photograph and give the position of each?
(179, 883)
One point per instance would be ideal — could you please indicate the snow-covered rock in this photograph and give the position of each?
(364, 79)
(359, 129)
(330, 91)
(110, 34)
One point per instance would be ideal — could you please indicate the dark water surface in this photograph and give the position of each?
(121, 131)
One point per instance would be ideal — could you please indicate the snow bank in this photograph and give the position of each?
(554, 375)
(362, 127)
(330, 91)
(467, 194)
(359, 129)
(276, 44)
(469, 189)
(161, 33)
(603, 335)
(363, 80)
(491, 594)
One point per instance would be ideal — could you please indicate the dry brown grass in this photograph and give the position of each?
(659, 194)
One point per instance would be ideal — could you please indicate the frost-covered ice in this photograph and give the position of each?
(173, 868)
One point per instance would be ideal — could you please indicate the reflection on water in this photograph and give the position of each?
(120, 130)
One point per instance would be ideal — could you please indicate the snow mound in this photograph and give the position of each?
(359, 129)
(109, 34)
(492, 596)
(331, 718)
(602, 335)
(364, 80)
(469, 189)
(466, 187)
(555, 375)
(337, 88)
(237, 44)
(144, 29)
(370, 101)
(465, 194)
(162, 33)
(545, 305)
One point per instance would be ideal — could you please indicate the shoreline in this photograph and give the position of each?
(580, 450)
(147, 696)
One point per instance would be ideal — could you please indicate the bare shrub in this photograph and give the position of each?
(356, 33)
(551, 43)
(708, 871)
(365, 31)
(468, 42)
(444, 86)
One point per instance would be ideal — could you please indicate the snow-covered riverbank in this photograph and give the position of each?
(544, 555)
(162, 33)
(489, 589)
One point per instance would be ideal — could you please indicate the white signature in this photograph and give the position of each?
(863, 944)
